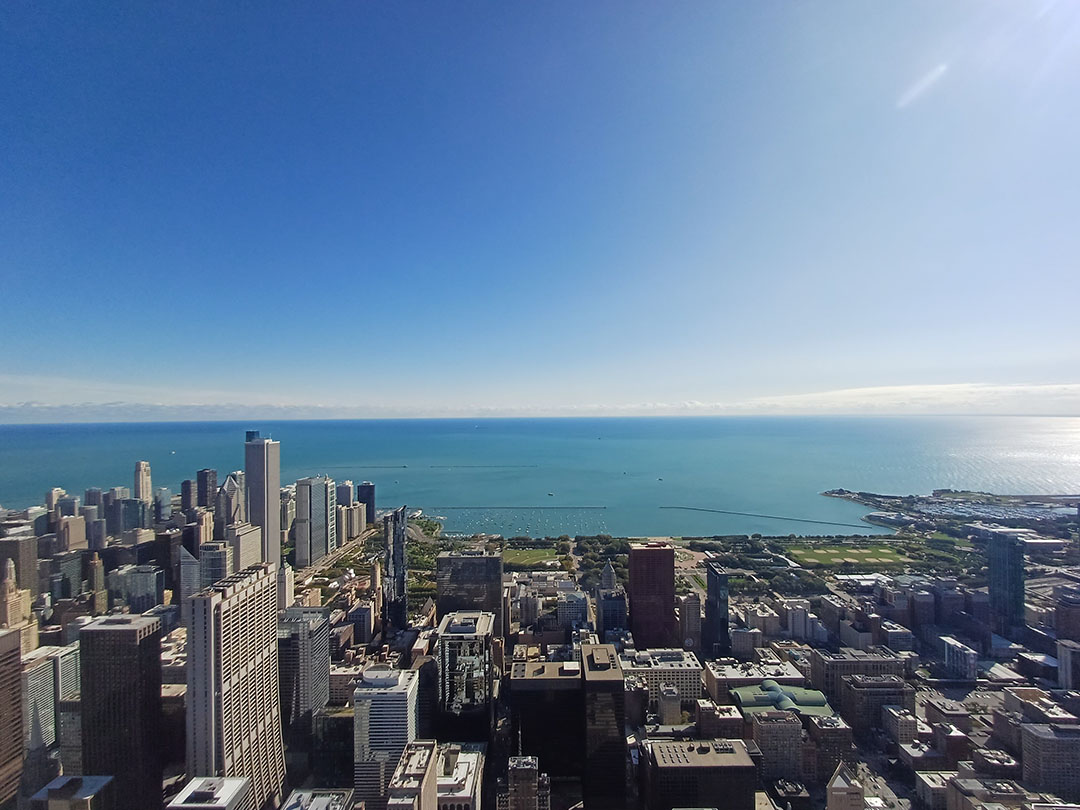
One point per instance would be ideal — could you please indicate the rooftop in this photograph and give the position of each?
(852, 654)
(601, 663)
(467, 623)
(326, 799)
(545, 671)
(413, 765)
(741, 671)
(702, 754)
(459, 769)
(771, 696)
(72, 788)
(210, 792)
(671, 658)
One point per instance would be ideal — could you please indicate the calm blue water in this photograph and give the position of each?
(495, 474)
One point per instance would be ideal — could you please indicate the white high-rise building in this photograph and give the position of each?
(233, 703)
(384, 722)
(143, 489)
(286, 586)
(247, 545)
(262, 467)
(316, 519)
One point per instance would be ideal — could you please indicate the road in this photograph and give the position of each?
(302, 574)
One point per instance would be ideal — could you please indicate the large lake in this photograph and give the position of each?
(603, 475)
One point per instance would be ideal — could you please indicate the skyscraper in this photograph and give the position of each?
(247, 545)
(11, 722)
(384, 722)
(231, 504)
(162, 504)
(304, 669)
(189, 497)
(690, 621)
(120, 678)
(262, 467)
(365, 493)
(395, 598)
(1005, 555)
(604, 783)
(23, 550)
(470, 580)
(233, 698)
(316, 519)
(143, 489)
(715, 638)
(466, 676)
(207, 488)
(525, 788)
(346, 493)
(652, 594)
(15, 607)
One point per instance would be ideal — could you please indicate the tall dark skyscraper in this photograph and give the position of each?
(11, 719)
(604, 782)
(652, 594)
(262, 474)
(189, 495)
(207, 487)
(1005, 555)
(716, 640)
(365, 493)
(470, 580)
(122, 722)
(395, 598)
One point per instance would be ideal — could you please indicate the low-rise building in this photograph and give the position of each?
(900, 724)
(680, 668)
(779, 736)
(832, 740)
(974, 793)
(724, 675)
(863, 696)
(702, 773)
(1050, 754)
(932, 789)
(961, 661)
(941, 710)
(828, 668)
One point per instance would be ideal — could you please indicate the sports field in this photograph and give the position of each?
(836, 556)
(530, 556)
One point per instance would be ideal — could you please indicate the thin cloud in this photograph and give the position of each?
(922, 86)
(956, 399)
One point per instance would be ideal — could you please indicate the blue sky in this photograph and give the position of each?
(406, 208)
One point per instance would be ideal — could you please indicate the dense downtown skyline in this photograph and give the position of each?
(417, 209)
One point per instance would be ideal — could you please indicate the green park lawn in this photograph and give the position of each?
(868, 558)
(529, 556)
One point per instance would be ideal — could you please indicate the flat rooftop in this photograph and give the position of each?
(325, 799)
(672, 658)
(733, 671)
(702, 754)
(467, 623)
(601, 663)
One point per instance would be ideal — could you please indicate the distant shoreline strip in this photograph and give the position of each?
(509, 508)
(767, 517)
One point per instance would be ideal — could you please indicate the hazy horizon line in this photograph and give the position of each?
(942, 399)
